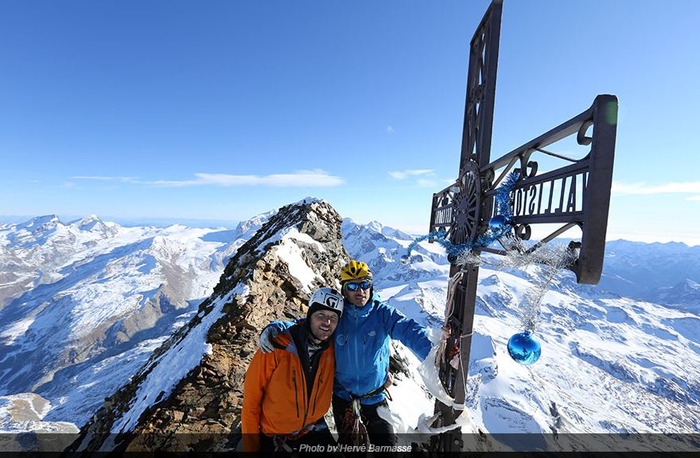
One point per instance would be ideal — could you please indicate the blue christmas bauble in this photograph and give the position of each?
(524, 348)
(497, 223)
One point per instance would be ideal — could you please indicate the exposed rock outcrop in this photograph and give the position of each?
(270, 277)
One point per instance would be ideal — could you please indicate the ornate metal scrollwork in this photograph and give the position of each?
(523, 231)
(466, 205)
(528, 168)
(581, 137)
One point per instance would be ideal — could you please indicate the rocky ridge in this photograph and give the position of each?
(270, 277)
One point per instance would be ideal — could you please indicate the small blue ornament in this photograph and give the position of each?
(524, 348)
(497, 223)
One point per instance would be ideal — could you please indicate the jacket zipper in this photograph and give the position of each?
(296, 391)
(305, 399)
(357, 354)
(318, 389)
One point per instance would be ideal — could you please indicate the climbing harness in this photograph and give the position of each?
(352, 420)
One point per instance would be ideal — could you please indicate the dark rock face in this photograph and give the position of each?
(270, 277)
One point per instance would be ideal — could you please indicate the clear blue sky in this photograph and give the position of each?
(225, 109)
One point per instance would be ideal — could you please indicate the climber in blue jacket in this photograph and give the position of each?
(362, 356)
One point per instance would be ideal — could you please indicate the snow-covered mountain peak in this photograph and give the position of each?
(93, 224)
(308, 201)
(251, 225)
(34, 231)
(44, 222)
(87, 222)
(375, 226)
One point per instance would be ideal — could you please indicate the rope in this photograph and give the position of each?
(446, 331)
(352, 422)
(280, 440)
(352, 418)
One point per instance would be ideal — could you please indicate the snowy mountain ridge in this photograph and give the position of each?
(83, 304)
(609, 363)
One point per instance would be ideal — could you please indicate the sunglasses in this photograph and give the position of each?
(352, 287)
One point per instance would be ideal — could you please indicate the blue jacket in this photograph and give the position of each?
(362, 347)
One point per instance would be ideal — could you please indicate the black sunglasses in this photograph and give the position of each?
(355, 286)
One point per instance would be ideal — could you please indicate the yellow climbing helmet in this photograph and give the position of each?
(355, 270)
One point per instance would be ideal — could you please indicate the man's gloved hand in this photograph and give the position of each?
(266, 336)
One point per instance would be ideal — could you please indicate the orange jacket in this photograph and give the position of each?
(275, 395)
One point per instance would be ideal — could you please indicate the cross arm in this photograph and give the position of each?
(576, 194)
(573, 195)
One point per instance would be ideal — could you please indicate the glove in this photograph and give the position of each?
(266, 336)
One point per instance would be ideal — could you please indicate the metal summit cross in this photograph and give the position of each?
(575, 195)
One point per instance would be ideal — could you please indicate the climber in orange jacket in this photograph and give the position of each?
(288, 391)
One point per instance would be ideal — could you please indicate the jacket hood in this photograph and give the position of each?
(284, 341)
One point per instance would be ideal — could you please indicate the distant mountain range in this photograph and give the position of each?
(664, 273)
(84, 304)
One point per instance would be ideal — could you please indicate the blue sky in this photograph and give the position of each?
(221, 110)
